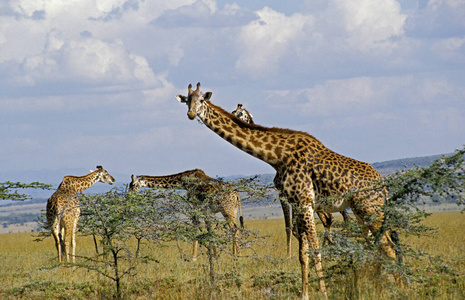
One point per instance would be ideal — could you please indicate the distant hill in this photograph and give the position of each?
(391, 166)
(384, 168)
(13, 213)
(55, 176)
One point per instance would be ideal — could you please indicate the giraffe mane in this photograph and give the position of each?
(256, 126)
(201, 174)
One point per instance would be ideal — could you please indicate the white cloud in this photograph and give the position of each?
(87, 61)
(149, 102)
(356, 97)
(344, 68)
(369, 23)
(202, 13)
(336, 36)
(438, 19)
(22, 35)
(27, 8)
(334, 97)
(263, 42)
(451, 50)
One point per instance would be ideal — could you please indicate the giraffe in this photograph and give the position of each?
(63, 209)
(326, 218)
(306, 173)
(225, 200)
(243, 114)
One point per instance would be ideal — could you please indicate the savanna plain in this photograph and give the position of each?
(28, 270)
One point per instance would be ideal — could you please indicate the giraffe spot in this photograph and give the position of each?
(240, 135)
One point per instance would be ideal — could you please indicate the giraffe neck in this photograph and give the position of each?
(175, 180)
(75, 184)
(271, 145)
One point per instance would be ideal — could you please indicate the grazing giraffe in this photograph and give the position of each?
(306, 173)
(225, 199)
(63, 209)
(326, 218)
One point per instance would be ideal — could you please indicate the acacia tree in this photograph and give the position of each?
(115, 218)
(408, 189)
(9, 190)
(158, 216)
(190, 218)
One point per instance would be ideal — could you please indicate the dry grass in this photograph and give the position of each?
(263, 273)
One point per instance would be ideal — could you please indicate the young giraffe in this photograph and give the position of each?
(306, 172)
(63, 209)
(326, 218)
(227, 200)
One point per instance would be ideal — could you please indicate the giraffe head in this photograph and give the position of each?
(137, 182)
(195, 101)
(104, 176)
(243, 114)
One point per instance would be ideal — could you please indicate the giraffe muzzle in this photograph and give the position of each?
(191, 115)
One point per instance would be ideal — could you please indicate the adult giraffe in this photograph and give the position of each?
(326, 218)
(63, 209)
(306, 171)
(222, 196)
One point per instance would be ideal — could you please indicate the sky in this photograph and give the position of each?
(93, 82)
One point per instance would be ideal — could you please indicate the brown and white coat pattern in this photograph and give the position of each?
(326, 218)
(306, 171)
(226, 200)
(63, 209)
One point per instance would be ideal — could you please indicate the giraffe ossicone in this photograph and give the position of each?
(243, 114)
(306, 173)
(63, 209)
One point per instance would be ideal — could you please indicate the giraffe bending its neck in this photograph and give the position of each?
(226, 200)
(63, 209)
(306, 171)
(326, 218)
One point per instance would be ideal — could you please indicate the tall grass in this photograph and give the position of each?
(28, 270)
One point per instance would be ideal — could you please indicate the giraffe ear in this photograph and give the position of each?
(181, 98)
(207, 96)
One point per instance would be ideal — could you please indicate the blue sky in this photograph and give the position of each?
(93, 82)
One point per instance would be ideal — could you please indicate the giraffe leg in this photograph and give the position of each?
(195, 246)
(73, 240)
(56, 236)
(345, 216)
(308, 239)
(235, 230)
(369, 213)
(230, 215)
(61, 236)
(327, 220)
(194, 250)
(67, 240)
(288, 223)
(232, 222)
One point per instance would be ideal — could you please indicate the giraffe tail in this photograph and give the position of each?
(241, 218)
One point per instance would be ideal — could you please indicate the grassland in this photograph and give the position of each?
(263, 272)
